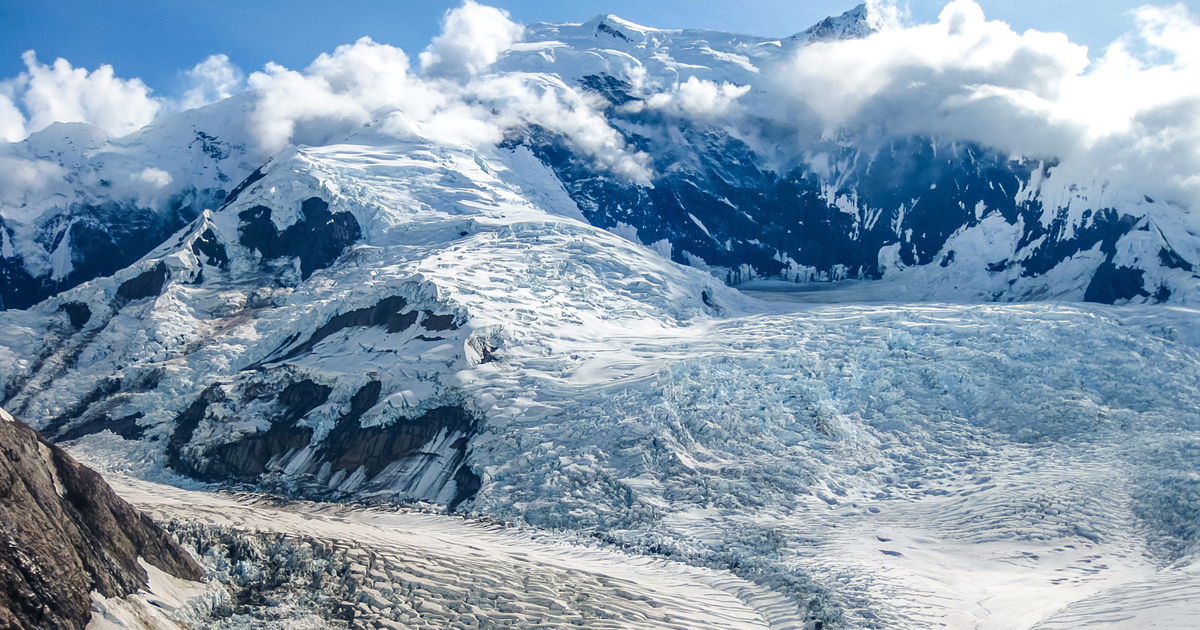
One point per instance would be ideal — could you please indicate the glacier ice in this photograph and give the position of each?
(506, 329)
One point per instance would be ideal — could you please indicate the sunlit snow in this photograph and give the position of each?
(633, 442)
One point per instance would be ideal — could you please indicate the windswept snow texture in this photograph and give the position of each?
(507, 329)
(330, 566)
(474, 350)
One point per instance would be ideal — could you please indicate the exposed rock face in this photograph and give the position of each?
(147, 284)
(100, 238)
(317, 239)
(64, 533)
(717, 207)
(420, 457)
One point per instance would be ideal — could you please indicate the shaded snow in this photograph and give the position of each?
(862, 454)
(402, 566)
(647, 402)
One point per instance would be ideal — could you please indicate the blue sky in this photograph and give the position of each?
(158, 39)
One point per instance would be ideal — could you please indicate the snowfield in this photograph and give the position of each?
(894, 464)
(901, 466)
(395, 315)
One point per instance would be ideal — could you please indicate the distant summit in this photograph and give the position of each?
(852, 24)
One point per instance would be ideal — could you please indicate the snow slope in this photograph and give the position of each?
(508, 330)
(600, 387)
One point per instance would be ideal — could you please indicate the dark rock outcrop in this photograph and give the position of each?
(125, 426)
(350, 445)
(389, 312)
(1112, 283)
(65, 533)
(392, 459)
(78, 312)
(317, 239)
(250, 180)
(147, 284)
(246, 459)
(209, 249)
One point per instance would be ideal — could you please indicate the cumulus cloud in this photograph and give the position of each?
(1129, 117)
(336, 94)
(59, 92)
(62, 93)
(153, 178)
(698, 98)
(1124, 85)
(518, 100)
(473, 37)
(212, 80)
(451, 103)
(148, 186)
(21, 179)
(886, 14)
(287, 98)
(941, 78)
(12, 121)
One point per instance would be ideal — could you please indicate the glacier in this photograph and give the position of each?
(957, 399)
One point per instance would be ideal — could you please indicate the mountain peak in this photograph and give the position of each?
(614, 27)
(853, 24)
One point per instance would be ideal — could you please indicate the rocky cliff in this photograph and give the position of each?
(65, 533)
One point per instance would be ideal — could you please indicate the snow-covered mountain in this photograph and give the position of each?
(720, 187)
(538, 326)
(984, 225)
(91, 204)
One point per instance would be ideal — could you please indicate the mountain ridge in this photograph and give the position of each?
(714, 199)
(516, 302)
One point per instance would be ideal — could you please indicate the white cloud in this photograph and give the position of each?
(934, 78)
(62, 93)
(12, 121)
(341, 92)
(58, 92)
(1129, 118)
(287, 97)
(374, 75)
(1123, 85)
(473, 37)
(512, 101)
(708, 98)
(21, 179)
(153, 178)
(148, 186)
(337, 93)
(698, 98)
(886, 14)
(212, 80)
